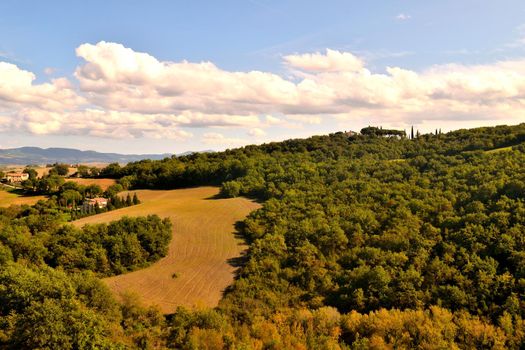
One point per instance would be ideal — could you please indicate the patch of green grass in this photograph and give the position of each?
(498, 150)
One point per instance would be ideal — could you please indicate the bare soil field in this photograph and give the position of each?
(10, 198)
(103, 183)
(196, 270)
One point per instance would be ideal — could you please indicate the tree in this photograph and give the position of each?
(93, 191)
(61, 169)
(94, 171)
(135, 199)
(230, 189)
(113, 190)
(33, 174)
(83, 171)
(111, 171)
(28, 185)
(50, 183)
(71, 197)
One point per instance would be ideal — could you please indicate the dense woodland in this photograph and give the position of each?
(363, 241)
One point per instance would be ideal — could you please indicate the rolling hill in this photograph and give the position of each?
(36, 155)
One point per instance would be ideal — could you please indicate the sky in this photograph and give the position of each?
(173, 76)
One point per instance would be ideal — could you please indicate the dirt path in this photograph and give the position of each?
(202, 244)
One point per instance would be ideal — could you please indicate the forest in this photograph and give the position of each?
(365, 241)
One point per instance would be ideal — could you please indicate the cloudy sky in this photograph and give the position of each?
(172, 76)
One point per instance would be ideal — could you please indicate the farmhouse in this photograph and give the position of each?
(16, 177)
(98, 202)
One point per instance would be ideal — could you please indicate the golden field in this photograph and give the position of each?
(103, 183)
(196, 270)
(10, 198)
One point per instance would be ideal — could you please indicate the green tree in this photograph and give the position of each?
(33, 174)
(61, 169)
(230, 189)
(83, 171)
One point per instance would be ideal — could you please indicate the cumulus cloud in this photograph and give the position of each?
(99, 123)
(331, 61)
(122, 93)
(17, 89)
(120, 78)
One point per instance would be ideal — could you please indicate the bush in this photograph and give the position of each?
(230, 189)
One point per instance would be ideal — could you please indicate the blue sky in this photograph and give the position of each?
(461, 46)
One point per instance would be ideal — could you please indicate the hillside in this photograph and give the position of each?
(361, 242)
(36, 155)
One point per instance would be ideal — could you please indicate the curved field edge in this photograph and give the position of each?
(196, 270)
(8, 198)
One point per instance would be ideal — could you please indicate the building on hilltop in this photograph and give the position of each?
(16, 177)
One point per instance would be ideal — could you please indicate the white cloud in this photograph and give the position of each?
(17, 88)
(256, 132)
(120, 78)
(100, 123)
(122, 93)
(403, 17)
(331, 61)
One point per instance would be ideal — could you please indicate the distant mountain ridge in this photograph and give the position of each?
(37, 155)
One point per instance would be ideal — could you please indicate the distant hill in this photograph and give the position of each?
(36, 155)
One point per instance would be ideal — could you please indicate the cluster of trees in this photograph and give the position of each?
(375, 131)
(46, 308)
(81, 170)
(362, 242)
(106, 249)
(326, 328)
(86, 172)
(50, 294)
